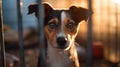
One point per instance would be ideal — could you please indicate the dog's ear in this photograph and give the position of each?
(33, 8)
(79, 13)
(47, 9)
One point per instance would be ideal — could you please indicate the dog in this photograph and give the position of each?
(61, 28)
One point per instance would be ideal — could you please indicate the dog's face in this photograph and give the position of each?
(61, 26)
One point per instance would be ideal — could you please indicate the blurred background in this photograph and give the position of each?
(105, 30)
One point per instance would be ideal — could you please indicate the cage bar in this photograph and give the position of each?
(89, 44)
(41, 32)
(20, 32)
(2, 44)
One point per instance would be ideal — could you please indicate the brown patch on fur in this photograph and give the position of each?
(51, 33)
(67, 30)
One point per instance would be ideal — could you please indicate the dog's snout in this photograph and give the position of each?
(61, 41)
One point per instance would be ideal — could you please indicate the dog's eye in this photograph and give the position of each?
(70, 25)
(52, 25)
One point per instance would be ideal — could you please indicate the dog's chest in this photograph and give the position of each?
(58, 59)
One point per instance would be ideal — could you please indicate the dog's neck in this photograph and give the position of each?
(61, 58)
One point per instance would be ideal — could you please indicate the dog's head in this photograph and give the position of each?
(61, 26)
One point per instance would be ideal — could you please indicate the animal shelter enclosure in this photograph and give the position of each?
(22, 37)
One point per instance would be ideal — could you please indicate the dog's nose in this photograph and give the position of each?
(61, 41)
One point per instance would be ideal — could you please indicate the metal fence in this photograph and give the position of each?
(89, 62)
(20, 32)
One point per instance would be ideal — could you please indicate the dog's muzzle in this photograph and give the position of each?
(61, 41)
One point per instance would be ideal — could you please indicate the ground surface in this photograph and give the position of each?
(31, 58)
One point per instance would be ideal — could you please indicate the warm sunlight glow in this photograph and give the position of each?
(114, 58)
(21, 4)
(65, 4)
(71, 42)
(116, 1)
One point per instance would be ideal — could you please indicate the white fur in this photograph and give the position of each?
(61, 33)
(58, 58)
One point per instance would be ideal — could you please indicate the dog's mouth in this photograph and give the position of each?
(61, 47)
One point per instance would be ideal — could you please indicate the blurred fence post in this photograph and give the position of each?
(20, 31)
(89, 48)
(2, 44)
(41, 31)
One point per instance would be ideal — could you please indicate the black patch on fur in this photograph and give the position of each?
(78, 13)
(53, 14)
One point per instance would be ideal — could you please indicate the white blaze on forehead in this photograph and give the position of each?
(63, 17)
